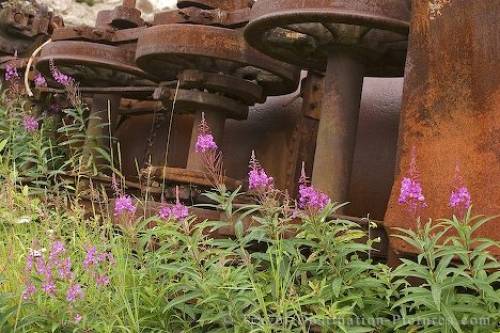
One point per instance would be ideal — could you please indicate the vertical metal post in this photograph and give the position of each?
(338, 124)
(99, 126)
(216, 121)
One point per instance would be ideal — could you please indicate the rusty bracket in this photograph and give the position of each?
(121, 17)
(312, 90)
(28, 24)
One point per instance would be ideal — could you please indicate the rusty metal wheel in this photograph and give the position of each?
(92, 64)
(167, 49)
(305, 32)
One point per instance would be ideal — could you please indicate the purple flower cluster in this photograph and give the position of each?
(95, 262)
(312, 199)
(258, 180)
(40, 81)
(11, 73)
(74, 292)
(205, 143)
(59, 77)
(124, 205)
(176, 212)
(30, 124)
(411, 193)
(460, 198)
(46, 267)
(309, 198)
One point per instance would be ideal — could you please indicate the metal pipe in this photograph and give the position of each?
(338, 124)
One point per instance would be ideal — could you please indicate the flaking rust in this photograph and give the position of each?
(451, 113)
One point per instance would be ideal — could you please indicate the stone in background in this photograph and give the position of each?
(75, 13)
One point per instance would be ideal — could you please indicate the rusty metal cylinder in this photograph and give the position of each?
(216, 121)
(338, 124)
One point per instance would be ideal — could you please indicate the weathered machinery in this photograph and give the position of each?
(451, 113)
(193, 64)
(22, 29)
(348, 40)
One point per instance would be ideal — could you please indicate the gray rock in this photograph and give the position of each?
(75, 13)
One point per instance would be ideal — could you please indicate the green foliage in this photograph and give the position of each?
(457, 277)
(285, 270)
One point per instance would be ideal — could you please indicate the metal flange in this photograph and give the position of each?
(93, 64)
(170, 49)
(190, 101)
(229, 86)
(305, 32)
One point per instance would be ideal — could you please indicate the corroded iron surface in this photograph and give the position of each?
(168, 49)
(451, 112)
(305, 32)
(92, 64)
(23, 28)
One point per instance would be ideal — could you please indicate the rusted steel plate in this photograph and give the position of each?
(173, 48)
(305, 32)
(451, 112)
(93, 64)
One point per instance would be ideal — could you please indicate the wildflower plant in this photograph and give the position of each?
(460, 198)
(411, 194)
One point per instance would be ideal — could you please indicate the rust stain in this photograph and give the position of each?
(451, 112)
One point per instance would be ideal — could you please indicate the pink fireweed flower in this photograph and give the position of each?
(30, 124)
(59, 77)
(460, 198)
(11, 73)
(42, 267)
(258, 180)
(411, 193)
(176, 212)
(310, 198)
(49, 287)
(90, 257)
(57, 249)
(29, 291)
(77, 318)
(124, 204)
(40, 81)
(179, 211)
(165, 212)
(205, 141)
(102, 280)
(64, 269)
(74, 292)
